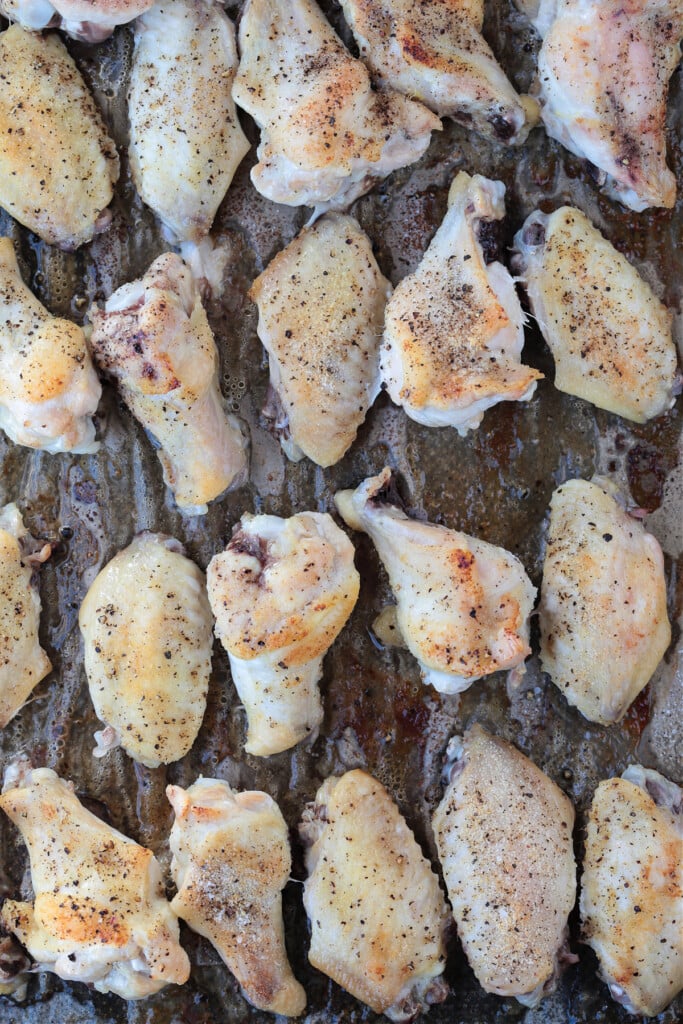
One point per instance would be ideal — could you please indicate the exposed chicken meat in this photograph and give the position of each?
(99, 913)
(609, 334)
(154, 339)
(326, 136)
(89, 20)
(58, 166)
(146, 626)
(463, 605)
(231, 860)
(321, 308)
(281, 593)
(377, 914)
(454, 330)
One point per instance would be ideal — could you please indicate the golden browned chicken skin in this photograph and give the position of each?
(231, 860)
(58, 166)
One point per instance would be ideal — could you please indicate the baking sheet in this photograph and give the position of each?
(495, 483)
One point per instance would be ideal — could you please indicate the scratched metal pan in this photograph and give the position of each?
(495, 483)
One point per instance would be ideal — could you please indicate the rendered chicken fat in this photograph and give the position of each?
(154, 339)
(146, 626)
(231, 860)
(58, 166)
(99, 913)
(454, 330)
(503, 832)
(184, 150)
(376, 911)
(281, 593)
(435, 53)
(326, 135)
(463, 605)
(609, 334)
(49, 390)
(603, 617)
(603, 77)
(23, 662)
(321, 307)
(632, 888)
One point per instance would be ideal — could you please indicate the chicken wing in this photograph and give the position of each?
(99, 913)
(146, 626)
(632, 888)
(48, 386)
(321, 309)
(454, 330)
(604, 625)
(603, 79)
(23, 662)
(154, 339)
(376, 911)
(503, 831)
(231, 861)
(326, 136)
(58, 166)
(89, 20)
(435, 52)
(463, 605)
(281, 593)
(609, 334)
(184, 151)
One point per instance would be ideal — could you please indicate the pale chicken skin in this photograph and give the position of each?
(503, 832)
(281, 593)
(23, 662)
(184, 151)
(147, 634)
(231, 861)
(153, 338)
(378, 917)
(632, 888)
(321, 309)
(99, 913)
(603, 617)
(462, 605)
(454, 329)
(326, 136)
(609, 334)
(49, 390)
(89, 20)
(435, 52)
(603, 78)
(58, 166)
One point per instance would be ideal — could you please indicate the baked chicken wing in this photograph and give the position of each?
(326, 136)
(99, 913)
(58, 166)
(23, 662)
(321, 309)
(89, 20)
(435, 52)
(503, 831)
(454, 329)
(604, 625)
(632, 888)
(48, 386)
(462, 605)
(146, 626)
(609, 334)
(603, 78)
(153, 338)
(281, 593)
(185, 138)
(376, 911)
(231, 861)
